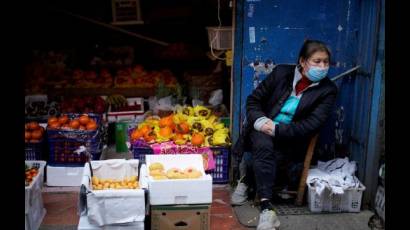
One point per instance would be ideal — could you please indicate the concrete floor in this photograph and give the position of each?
(61, 206)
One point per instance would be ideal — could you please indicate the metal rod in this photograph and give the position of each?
(346, 73)
(114, 28)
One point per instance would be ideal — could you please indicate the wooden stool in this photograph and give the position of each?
(306, 165)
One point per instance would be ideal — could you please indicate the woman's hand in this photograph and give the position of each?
(267, 128)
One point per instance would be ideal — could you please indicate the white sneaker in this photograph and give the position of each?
(268, 220)
(239, 196)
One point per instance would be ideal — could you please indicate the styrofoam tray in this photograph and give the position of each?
(179, 191)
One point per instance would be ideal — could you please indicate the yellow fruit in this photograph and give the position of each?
(133, 178)
(95, 180)
(109, 181)
(112, 186)
(102, 181)
(160, 177)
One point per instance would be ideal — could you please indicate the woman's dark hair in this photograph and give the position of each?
(310, 47)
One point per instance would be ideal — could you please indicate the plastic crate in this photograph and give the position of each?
(34, 151)
(220, 175)
(62, 152)
(63, 143)
(220, 38)
(139, 152)
(350, 201)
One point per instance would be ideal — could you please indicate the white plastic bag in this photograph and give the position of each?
(216, 97)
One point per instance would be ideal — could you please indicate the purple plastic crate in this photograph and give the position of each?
(63, 143)
(220, 175)
(62, 152)
(34, 151)
(140, 152)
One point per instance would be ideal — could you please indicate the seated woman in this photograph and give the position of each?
(283, 113)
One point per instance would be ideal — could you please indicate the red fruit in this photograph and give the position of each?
(63, 119)
(84, 119)
(91, 125)
(74, 124)
(27, 135)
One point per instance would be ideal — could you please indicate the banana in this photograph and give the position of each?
(219, 125)
(212, 119)
(208, 128)
(179, 118)
(202, 111)
(189, 111)
(222, 131)
(220, 139)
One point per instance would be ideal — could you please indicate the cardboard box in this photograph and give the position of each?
(179, 191)
(64, 176)
(112, 206)
(34, 207)
(192, 217)
(84, 224)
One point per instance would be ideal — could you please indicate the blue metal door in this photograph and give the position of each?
(272, 32)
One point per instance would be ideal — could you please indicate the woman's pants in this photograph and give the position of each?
(265, 162)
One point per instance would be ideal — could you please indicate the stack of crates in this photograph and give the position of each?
(64, 164)
(34, 151)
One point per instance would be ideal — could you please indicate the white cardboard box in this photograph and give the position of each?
(34, 207)
(179, 191)
(84, 224)
(64, 176)
(113, 206)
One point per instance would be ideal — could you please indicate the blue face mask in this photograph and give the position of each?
(316, 74)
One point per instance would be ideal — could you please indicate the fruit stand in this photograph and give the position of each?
(78, 103)
(190, 142)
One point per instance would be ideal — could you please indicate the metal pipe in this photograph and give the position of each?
(346, 73)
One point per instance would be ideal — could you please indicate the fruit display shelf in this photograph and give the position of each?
(127, 92)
